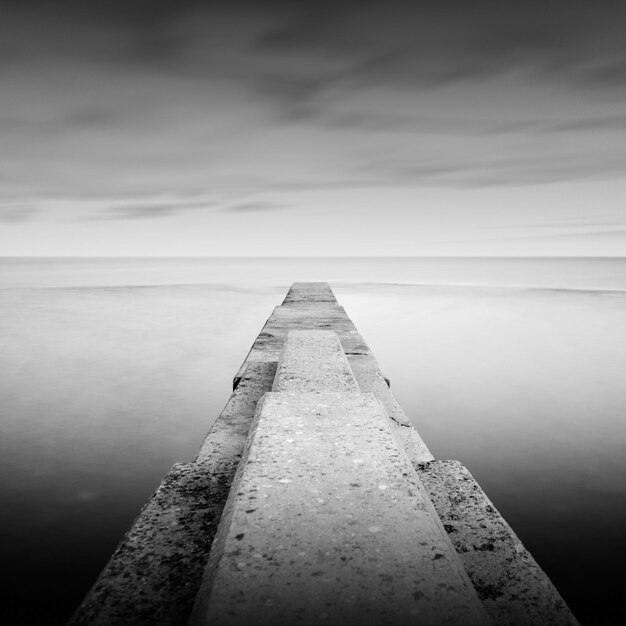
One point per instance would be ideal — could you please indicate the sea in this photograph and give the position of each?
(114, 369)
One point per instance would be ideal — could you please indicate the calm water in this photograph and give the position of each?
(113, 370)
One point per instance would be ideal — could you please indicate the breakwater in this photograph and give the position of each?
(312, 499)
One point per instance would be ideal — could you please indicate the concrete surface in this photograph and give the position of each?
(312, 306)
(309, 292)
(228, 435)
(371, 379)
(513, 589)
(313, 361)
(328, 522)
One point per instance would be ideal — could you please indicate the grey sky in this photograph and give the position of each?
(202, 128)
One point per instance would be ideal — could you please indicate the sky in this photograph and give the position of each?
(189, 128)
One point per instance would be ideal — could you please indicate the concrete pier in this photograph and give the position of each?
(328, 520)
(313, 499)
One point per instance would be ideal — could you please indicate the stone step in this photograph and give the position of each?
(327, 521)
(313, 360)
(513, 589)
(305, 316)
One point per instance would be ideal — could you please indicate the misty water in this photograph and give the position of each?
(113, 370)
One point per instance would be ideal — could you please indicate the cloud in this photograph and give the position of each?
(298, 51)
(611, 225)
(481, 169)
(298, 54)
(390, 122)
(580, 221)
(585, 124)
(150, 210)
(17, 213)
(143, 96)
(417, 45)
(603, 233)
(257, 206)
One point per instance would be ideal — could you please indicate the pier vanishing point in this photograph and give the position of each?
(313, 500)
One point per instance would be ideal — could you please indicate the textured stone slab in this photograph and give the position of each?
(313, 361)
(512, 587)
(327, 521)
(371, 379)
(309, 292)
(155, 573)
(327, 315)
(305, 316)
(228, 436)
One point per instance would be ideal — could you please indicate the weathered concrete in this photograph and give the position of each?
(163, 554)
(227, 438)
(327, 521)
(512, 587)
(301, 311)
(370, 378)
(155, 573)
(314, 361)
(305, 316)
(309, 292)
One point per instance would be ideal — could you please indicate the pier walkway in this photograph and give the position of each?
(313, 499)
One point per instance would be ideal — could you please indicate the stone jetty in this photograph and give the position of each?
(314, 500)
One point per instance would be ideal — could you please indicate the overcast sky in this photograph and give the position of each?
(465, 127)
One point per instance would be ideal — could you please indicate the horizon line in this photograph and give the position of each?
(309, 257)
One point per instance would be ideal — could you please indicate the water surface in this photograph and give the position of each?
(113, 370)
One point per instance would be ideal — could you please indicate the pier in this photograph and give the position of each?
(313, 499)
